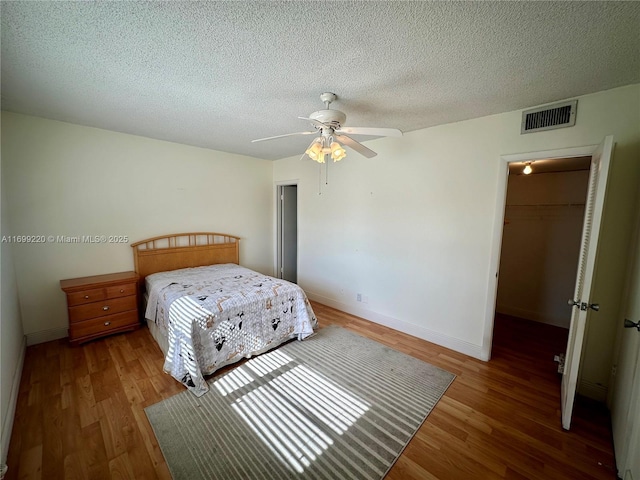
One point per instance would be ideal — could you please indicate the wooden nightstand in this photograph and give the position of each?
(101, 305)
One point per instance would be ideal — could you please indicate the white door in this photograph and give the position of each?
(586, 265)
(632, 470)
(632, 467)
(625, 407)
(630, 448)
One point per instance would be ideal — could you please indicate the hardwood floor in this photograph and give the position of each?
(80, 412)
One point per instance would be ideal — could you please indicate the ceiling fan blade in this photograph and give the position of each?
(378, 132)
(285, 135)
(314, 121)
(357, 146)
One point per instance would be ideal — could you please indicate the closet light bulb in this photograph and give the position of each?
(527, 169)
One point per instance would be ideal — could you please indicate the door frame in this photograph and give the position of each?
(277, 222)
(498, 225)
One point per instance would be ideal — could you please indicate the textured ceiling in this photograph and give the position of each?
(218, 74)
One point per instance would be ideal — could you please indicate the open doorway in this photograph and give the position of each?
(287, 237)
(581, 300)
(541, 239)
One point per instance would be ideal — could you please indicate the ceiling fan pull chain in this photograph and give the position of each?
(326, 171)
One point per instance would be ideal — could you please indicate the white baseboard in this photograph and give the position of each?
(7, 421)
(46, 335)
(592, 390)
(416, 330)
(533, 315)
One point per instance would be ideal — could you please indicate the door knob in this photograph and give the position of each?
(629, 324)
(582, 305)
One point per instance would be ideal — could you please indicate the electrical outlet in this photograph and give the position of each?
(359, 297)
(614, 370)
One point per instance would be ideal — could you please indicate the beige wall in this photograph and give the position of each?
(540, 245)
(413, 228)
(12, 342)
(68, 180)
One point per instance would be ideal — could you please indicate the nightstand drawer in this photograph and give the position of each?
(122, 290)
(86, 296)
(103, 326)
(97, 294)
(100, 309)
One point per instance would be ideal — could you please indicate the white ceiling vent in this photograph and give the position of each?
(549, 117)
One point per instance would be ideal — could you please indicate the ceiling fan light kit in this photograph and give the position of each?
(332, 135)
(318, 150)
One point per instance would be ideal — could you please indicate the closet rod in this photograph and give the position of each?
(545, 205)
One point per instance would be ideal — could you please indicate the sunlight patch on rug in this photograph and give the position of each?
(336, 405)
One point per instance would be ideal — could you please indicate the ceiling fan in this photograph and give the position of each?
(331, 134)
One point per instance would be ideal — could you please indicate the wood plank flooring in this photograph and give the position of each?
(80, 412)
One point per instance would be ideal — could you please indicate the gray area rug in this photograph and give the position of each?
(334, 406)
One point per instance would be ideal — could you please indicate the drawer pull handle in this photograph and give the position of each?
(86, 296)
(106, 324)
(105, 308)
(122, 290)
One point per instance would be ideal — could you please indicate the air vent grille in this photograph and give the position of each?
(549, 117)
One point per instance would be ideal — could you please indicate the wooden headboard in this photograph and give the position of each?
(182, 250)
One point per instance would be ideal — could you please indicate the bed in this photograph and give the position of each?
(205, 311)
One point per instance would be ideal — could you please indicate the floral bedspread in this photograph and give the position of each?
(216, 315)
